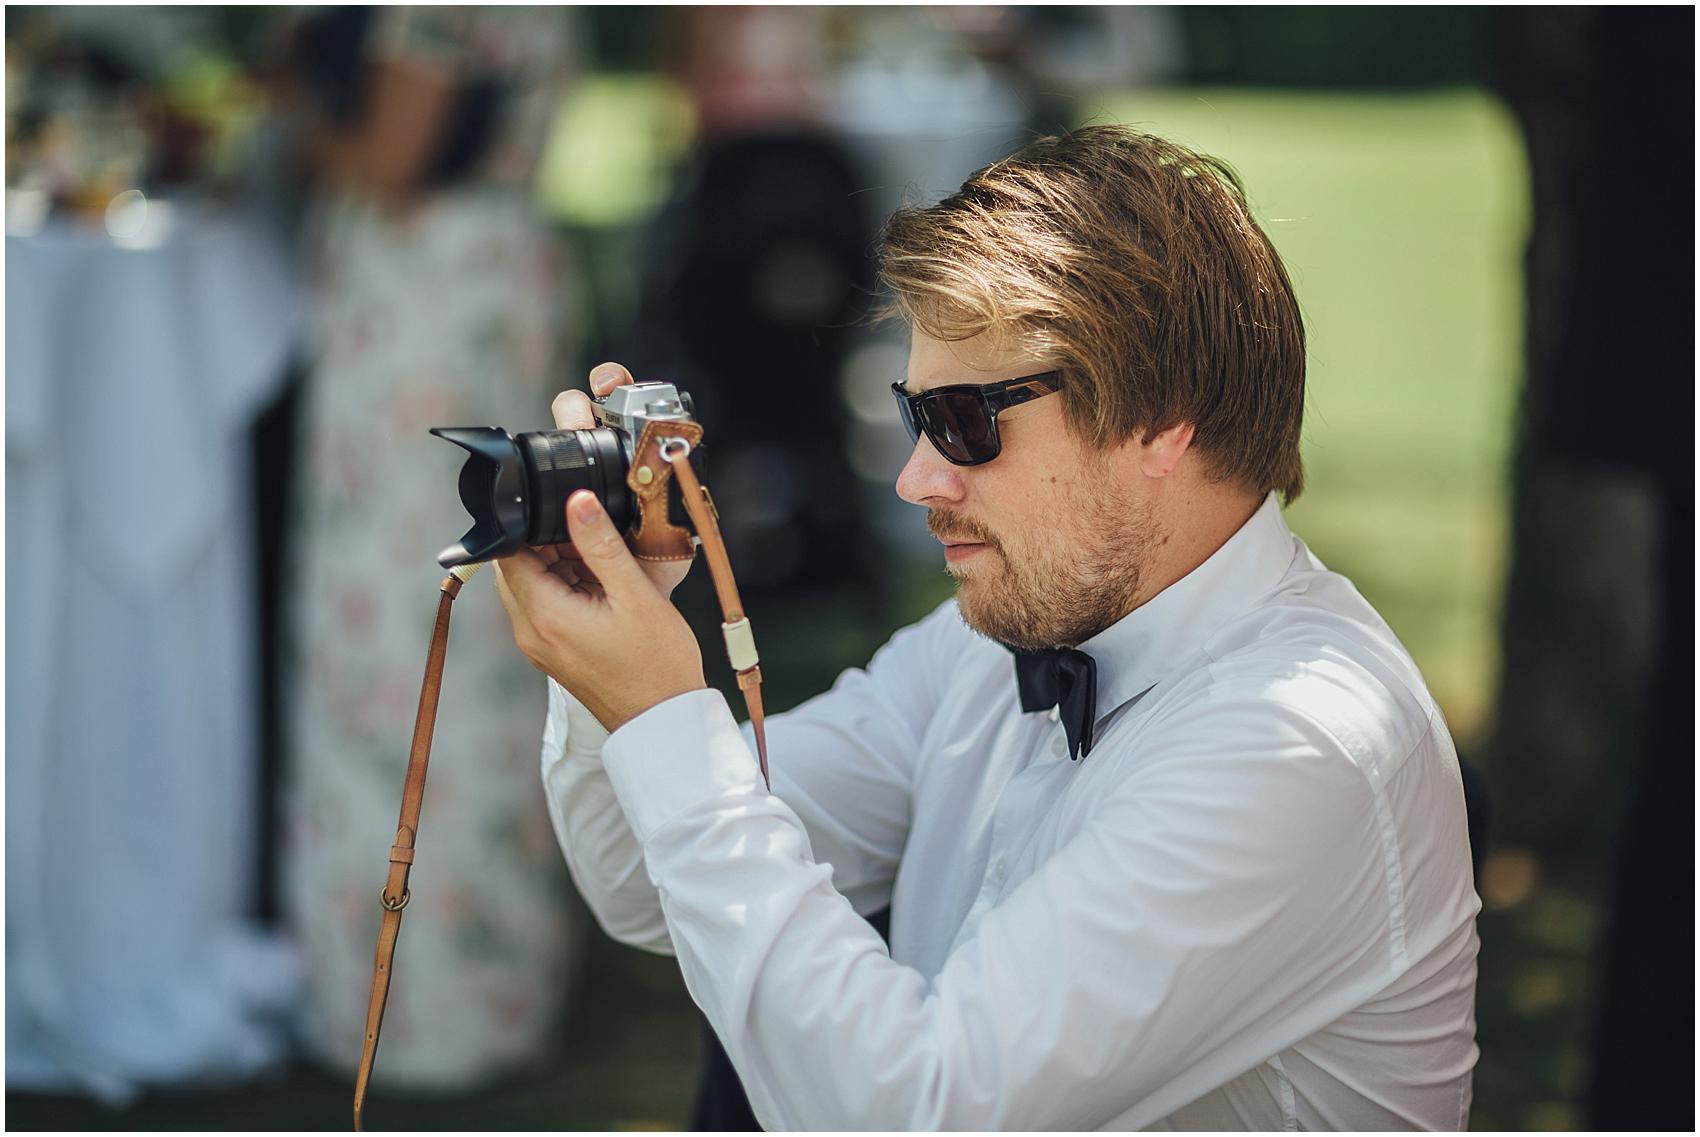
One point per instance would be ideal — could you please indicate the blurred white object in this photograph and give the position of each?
(133, 375)
(134, 222)
(26, 211)
(922, 114)
(1111, 46)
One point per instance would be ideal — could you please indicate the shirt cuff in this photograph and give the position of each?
(570, 728)
(679, 753)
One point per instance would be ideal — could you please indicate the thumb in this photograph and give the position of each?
(602, 547)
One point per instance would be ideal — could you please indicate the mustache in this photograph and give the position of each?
(946, 525)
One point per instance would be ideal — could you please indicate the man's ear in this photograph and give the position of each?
(1160, 453)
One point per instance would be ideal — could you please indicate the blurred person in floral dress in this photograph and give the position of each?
(438, 292)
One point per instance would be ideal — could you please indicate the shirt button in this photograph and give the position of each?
(1000, 870)
(1059, 746)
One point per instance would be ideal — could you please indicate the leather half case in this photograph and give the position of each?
(657, 538)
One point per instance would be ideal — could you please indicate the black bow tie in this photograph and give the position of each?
(1065, 679)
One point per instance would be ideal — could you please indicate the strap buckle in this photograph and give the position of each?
(395, 905)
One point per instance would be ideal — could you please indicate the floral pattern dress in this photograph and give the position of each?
(447, 316)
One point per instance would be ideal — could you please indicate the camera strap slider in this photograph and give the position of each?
(740, 645)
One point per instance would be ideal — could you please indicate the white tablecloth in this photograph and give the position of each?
(132, 377)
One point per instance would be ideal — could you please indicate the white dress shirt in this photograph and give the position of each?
(1249, 907)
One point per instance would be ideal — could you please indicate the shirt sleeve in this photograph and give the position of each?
(1229, 898)
(603, 857)
(843, 761)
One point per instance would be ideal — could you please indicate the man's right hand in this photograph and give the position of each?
(572, 412)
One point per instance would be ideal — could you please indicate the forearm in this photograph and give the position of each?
(735, 885)
(841, 766)
(602, 854)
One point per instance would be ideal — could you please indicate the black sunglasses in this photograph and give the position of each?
(961, 420)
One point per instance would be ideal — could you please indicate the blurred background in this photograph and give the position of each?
(253, 254)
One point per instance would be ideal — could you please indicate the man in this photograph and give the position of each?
(1218, 878)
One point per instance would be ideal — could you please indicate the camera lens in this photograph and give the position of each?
(560, 462)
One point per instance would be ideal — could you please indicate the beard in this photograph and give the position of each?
(1056, 587)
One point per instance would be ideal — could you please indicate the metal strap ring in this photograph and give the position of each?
(395, 905)
(669, 445)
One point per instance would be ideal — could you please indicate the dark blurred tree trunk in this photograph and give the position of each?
(1593, 763)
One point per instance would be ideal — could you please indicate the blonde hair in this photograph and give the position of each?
(1133, 266)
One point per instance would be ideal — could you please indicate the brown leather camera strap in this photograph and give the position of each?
(659, 453)
(395, 894)
(740, 643)
(666, 446)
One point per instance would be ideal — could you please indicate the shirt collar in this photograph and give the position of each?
(1138, 650)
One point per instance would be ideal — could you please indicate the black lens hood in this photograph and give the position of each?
(492, 488)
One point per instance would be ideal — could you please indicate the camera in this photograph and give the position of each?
(516, 486)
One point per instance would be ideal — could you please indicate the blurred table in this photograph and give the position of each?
(134, 368)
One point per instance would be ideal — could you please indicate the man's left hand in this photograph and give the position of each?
(610, 636)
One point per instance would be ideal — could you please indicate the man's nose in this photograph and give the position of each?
(928, 478)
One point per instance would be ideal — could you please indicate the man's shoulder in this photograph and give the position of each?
(1317, 650)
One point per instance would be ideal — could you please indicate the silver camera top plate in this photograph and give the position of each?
(629, 406)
